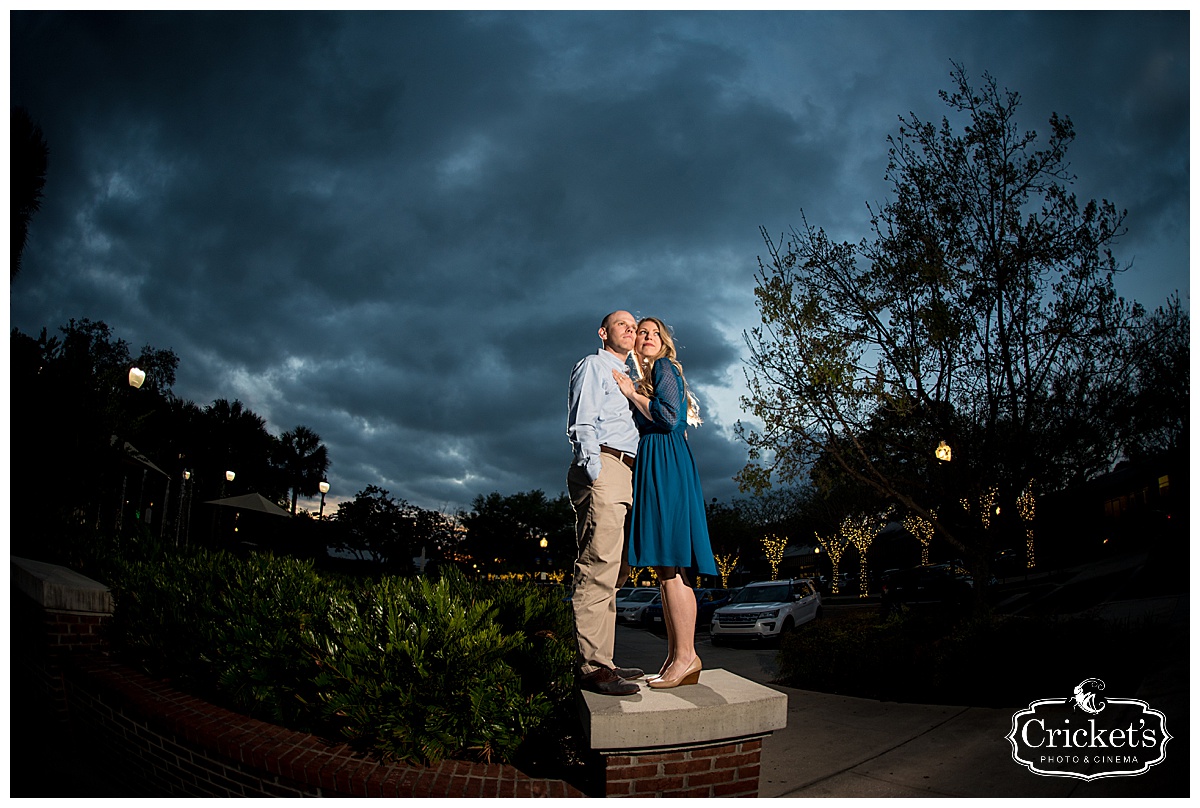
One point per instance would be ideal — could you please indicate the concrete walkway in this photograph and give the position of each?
(839, 746)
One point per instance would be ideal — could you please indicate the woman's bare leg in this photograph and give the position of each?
(679, 616)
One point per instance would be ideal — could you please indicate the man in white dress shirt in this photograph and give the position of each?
(604, 441)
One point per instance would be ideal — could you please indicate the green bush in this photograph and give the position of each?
(414, 669)
(982, 660)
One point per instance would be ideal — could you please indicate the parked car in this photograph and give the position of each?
(930, 585)
(707, 600)
(630, 607)
(765, 610)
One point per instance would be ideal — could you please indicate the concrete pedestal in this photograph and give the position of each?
(701, 740)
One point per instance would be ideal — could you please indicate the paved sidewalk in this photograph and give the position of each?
(840, 746)
(836, 746)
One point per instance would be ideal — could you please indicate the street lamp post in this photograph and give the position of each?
(183, 517)
(324, 487)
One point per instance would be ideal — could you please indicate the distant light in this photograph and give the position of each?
(229, 475)
(543, 543)
(942, 452)
(187, 475)
(136, 377)
(323, 486)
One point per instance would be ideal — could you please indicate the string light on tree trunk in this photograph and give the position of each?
(726, 564)
(861, 532)
(1026, 508)
(922, 529)
(773, 547)
(834, 548)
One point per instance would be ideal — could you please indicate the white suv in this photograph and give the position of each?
(766, 609)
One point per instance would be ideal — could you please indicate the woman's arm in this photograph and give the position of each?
(630, 390)
(666, 408)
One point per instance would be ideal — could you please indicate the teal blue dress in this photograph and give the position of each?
(668, 527)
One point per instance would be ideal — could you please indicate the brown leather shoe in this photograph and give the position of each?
(607, 683)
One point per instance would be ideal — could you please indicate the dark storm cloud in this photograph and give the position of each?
(402, 229)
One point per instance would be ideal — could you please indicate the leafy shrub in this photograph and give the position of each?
(415, 669)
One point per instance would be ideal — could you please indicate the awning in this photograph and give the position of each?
(250, 502)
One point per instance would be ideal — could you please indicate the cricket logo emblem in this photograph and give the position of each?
(1087, 736)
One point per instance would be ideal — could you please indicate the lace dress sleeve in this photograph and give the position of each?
(666, 407)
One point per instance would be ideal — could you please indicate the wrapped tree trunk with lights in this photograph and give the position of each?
(861, 532)
(834, 548)
(773, 547)
(978, 314)
(922, 530)
(726, 564)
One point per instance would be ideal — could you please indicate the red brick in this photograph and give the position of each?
(712, 751)
(363, 782)
(407, 787)
(749, 772)
(618, 788)
(423, 785)
(326, 775)
(633, 772)
(656, 784)
(733, 761)
(702, 791)
(688, 766)
(738, 788)
(710, 778)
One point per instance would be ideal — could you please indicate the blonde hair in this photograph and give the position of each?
(645, 384)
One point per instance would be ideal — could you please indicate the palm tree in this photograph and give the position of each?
(237, 440)
(28, 160)
(304, 461)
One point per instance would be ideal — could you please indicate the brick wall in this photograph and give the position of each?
(145, 738)
(167, 743)
(41, 639)
(725, 770)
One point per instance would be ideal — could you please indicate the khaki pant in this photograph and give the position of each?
(601, 515)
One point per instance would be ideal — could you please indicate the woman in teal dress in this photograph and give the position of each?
(668, 528)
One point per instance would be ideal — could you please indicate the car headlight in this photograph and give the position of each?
(765, 615)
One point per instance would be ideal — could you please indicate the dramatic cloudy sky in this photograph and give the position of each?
(402, 229)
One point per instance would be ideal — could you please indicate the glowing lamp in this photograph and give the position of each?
(229, 475)
(136, 377)
(942, 452)
(543, 544)
(323, 487)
